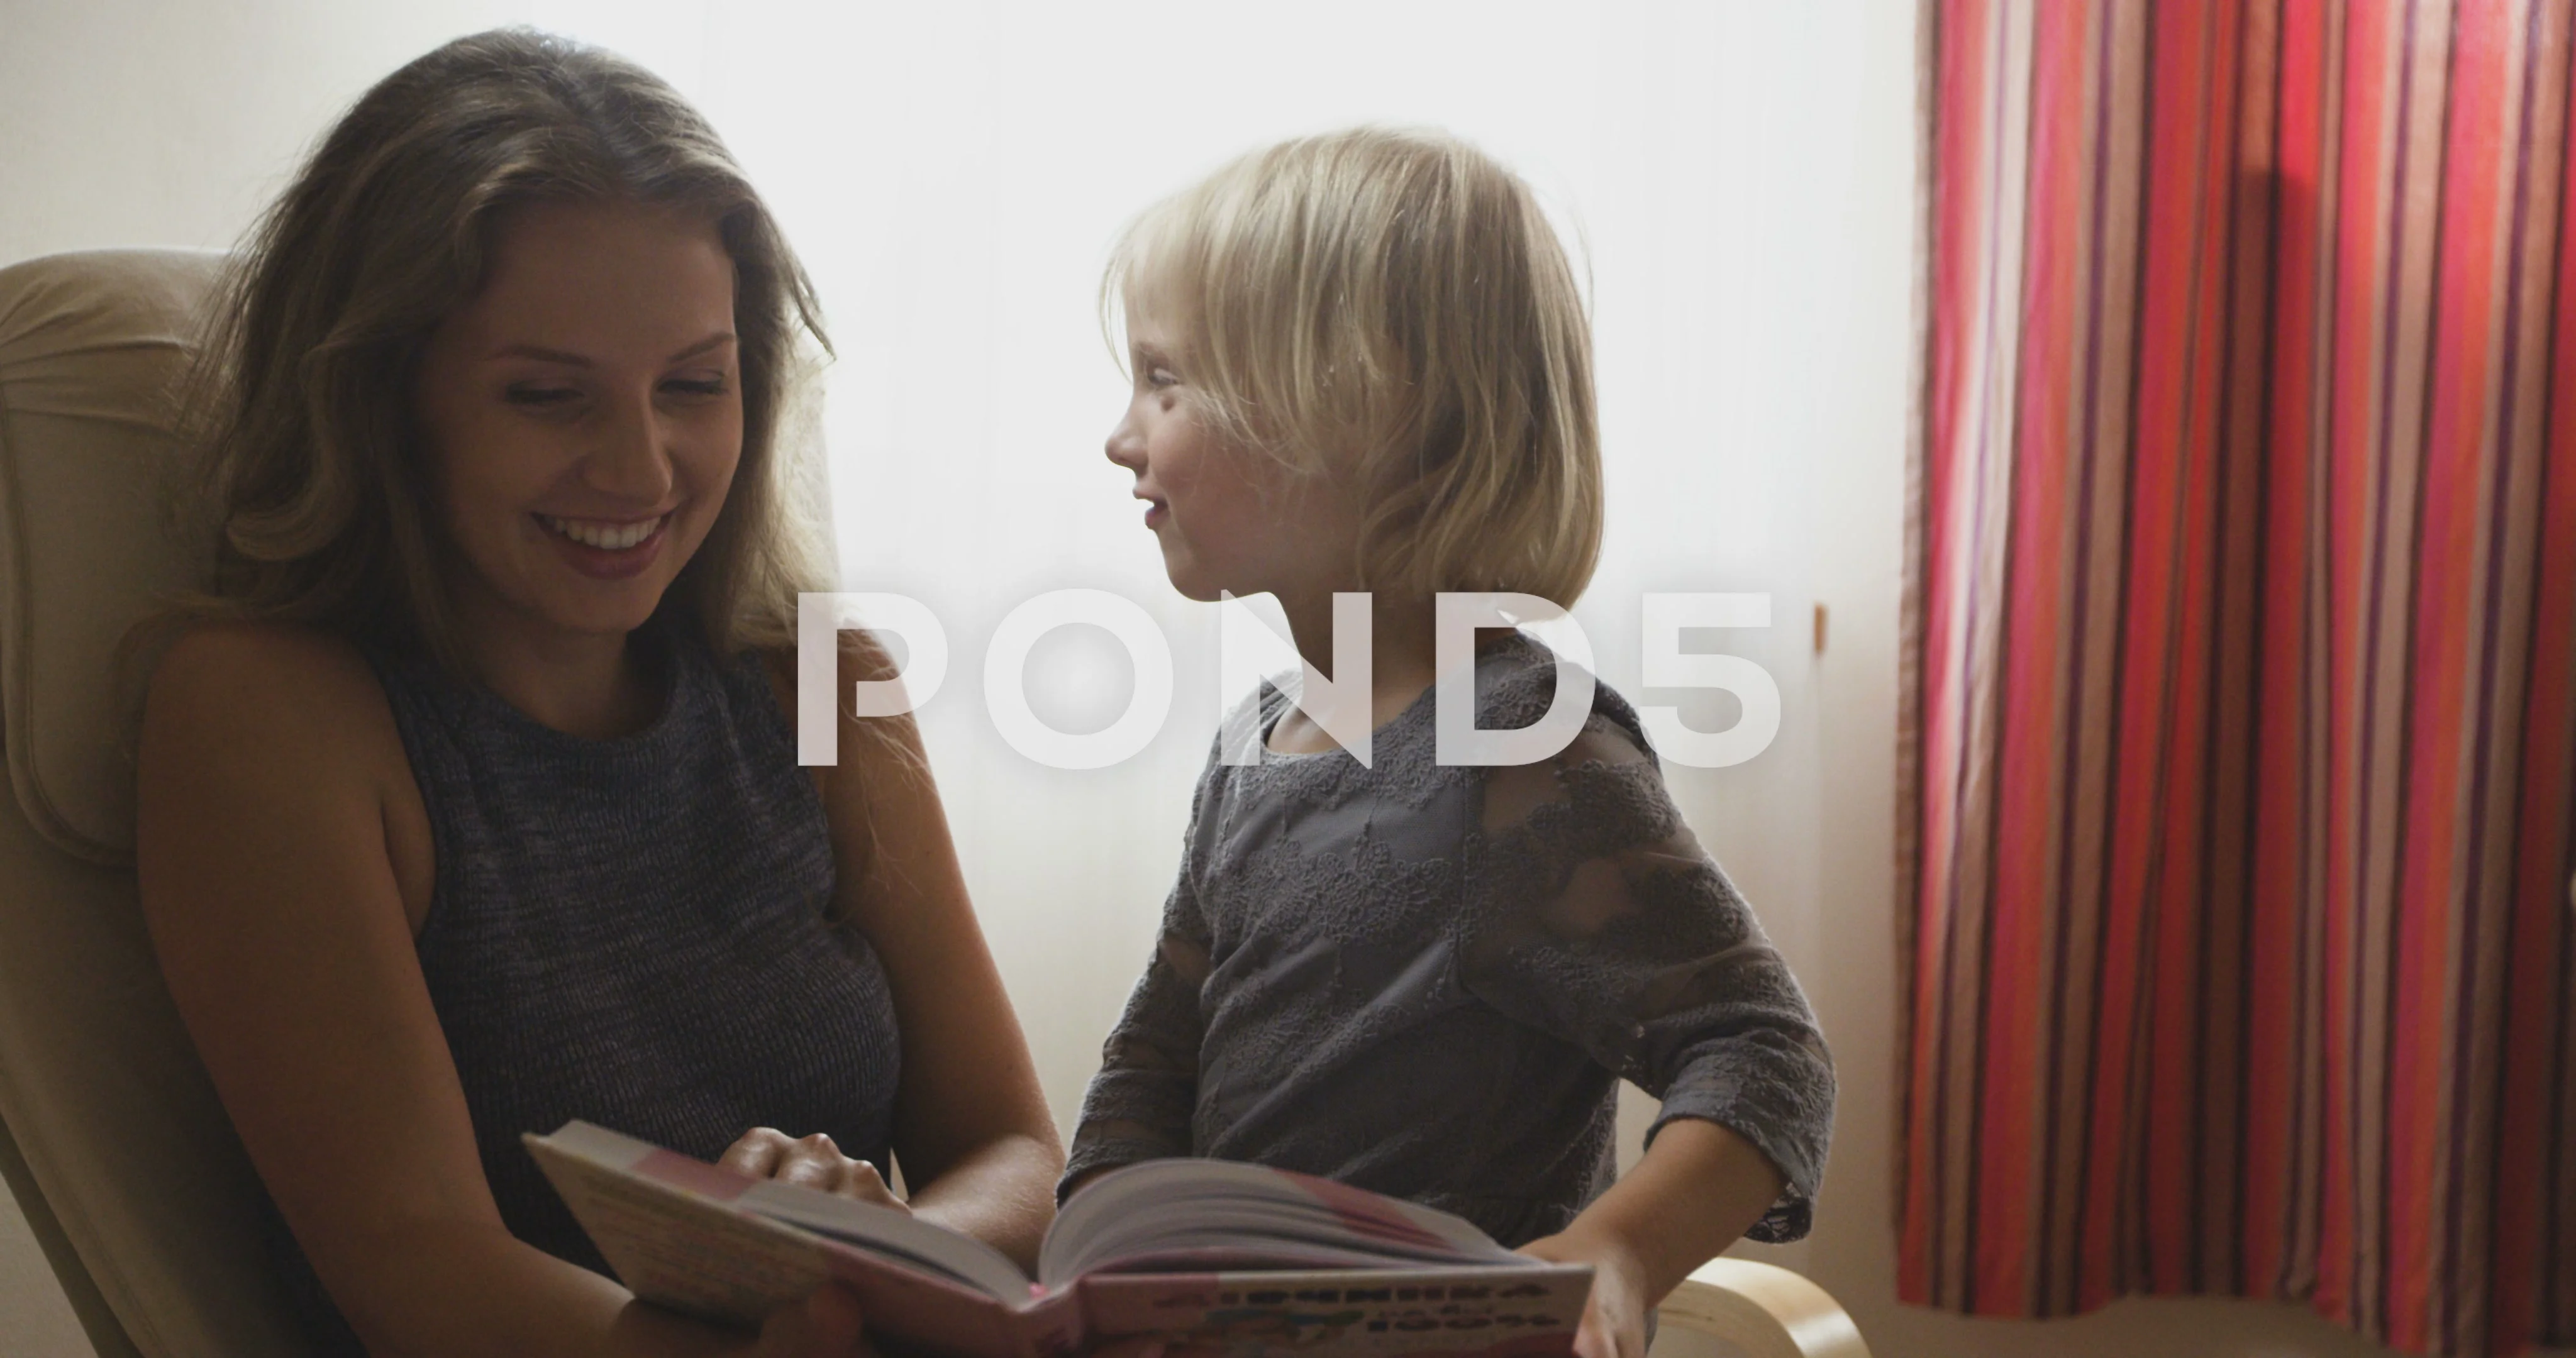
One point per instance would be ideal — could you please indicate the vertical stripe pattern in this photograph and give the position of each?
(2238, 835)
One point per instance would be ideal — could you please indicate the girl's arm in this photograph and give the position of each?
(270, 781)
(1594, 914)
(1140, 1103)
(972, 1135)
(1139, 1107)
(1699, 1187)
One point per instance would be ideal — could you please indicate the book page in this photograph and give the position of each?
(678, 1233)
(1212, 1215)
(1452, 1313)
(693, 1256)
(897, 1235)
(689, 1235)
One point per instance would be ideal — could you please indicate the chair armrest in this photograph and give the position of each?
(1763, 1309)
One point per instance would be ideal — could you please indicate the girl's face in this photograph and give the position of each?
(584, 415)
(1229, 519)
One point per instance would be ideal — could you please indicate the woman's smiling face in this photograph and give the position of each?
(584, 415)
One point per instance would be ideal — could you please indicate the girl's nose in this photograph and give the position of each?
(1126, 447)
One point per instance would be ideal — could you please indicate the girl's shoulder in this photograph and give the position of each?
(1516, 685)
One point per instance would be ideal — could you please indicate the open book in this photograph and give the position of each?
(1242, 1260)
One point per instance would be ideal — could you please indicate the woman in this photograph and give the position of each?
(468, 803)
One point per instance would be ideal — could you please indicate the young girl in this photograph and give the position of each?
(1360, 364)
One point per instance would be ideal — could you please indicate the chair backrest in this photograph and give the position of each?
(136, 1170)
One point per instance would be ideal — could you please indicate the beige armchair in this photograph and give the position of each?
(117, 1150)
(114, 1144)
(1764, 1310)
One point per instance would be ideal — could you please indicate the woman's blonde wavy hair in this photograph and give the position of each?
(316, 483)
(1390, 307)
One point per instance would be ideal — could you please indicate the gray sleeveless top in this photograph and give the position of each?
(632, 932)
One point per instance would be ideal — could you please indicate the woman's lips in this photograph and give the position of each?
(1156, 512)
(605, 549)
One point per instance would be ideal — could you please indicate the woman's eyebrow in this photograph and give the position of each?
(716, 340)
(545, 355)
(541, 354)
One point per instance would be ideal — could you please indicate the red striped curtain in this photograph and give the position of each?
(2240, 709)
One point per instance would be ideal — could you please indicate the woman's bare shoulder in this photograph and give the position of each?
(862, 656)
(875, 760)
(862, 659)
(271, 688)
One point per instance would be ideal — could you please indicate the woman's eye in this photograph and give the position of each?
(1159, 378)
(541, 396)
(713, 386)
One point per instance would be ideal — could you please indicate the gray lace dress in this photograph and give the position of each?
(1426, 980)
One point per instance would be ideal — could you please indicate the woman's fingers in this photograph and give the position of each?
(813, 1162)
(768, 1153)
(756, 1152)
(866, 1185)
(809, 1162)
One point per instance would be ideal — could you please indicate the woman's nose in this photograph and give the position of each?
(635, 455)
(633, 460)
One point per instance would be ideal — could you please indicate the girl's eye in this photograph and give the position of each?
(1161, 377)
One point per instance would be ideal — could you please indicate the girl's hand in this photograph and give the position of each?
(812, 1161)
(1614, 1318)
(827, 1324)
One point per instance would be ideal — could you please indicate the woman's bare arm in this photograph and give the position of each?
(271, 782)
(972, 1134)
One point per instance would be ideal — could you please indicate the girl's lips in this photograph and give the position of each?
(605, 563)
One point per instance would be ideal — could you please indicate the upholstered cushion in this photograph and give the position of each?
(91, 345)
(99, 1086)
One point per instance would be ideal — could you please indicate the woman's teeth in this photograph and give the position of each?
(607, 537)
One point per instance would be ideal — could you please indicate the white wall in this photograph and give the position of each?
(1741, 176)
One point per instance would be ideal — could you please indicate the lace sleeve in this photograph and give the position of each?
(1594, 914)
(1140, 1105)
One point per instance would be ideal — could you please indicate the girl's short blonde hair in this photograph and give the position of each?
(1390, 307)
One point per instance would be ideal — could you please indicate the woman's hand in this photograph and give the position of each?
(1614, 1317)
(812, 1161)
(827, 1324)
